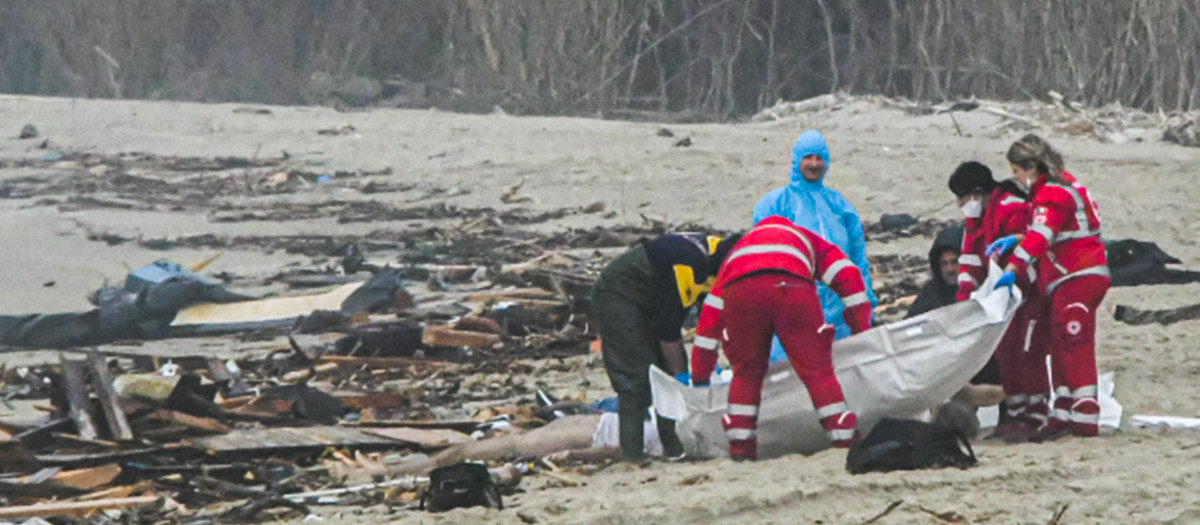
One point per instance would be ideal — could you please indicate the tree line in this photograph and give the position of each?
(715, 59)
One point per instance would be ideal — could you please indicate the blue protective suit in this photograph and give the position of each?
(825, 211)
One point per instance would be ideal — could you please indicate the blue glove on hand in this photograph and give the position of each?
(684, 377)
(1001, 245)
(1006, 280)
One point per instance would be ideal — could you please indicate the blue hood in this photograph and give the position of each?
(810, 142)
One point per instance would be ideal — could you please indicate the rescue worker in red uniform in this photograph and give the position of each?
(1063, 254)
(993, 211)
(766, 288)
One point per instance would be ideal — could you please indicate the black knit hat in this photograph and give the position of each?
(970, 177)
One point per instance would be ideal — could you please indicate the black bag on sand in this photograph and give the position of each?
(901, 444)
(461, 485)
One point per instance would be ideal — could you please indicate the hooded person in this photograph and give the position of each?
(808, 203)
(942, 287)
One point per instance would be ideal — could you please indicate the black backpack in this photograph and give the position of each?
(901, 444)
(461, 485)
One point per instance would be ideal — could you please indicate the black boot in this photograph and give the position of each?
(631, 417)
(672, 446)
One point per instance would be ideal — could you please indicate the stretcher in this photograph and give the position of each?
(898, 370)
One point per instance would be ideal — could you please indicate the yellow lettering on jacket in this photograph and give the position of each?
(689, 289)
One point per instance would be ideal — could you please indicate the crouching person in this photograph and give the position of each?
(766, 288)
(639, 304)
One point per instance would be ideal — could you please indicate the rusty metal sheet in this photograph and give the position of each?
(290, 437)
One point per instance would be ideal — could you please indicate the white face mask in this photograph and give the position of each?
(973, 209)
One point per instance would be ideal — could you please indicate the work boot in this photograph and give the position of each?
(1013, 431)
(631, 431)
(1054, 430)
(672, 446)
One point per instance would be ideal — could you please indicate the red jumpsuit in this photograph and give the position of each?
(765, 288)
(1072, 274)
(1021, 353)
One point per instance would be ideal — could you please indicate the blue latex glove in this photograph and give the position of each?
(684, 377)
(1008, 279)
(1002, 244)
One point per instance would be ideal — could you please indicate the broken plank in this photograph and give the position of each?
(73, 509)
(446, 336)
(87, 478)
(383, 362)
(466, 425)
(300, 375)
(426, 438)
(261, 313)
(203, 424)
(109, 401)
(122, 491)
(75, 382)
(501, 295)
(269, 439)
(361, 400)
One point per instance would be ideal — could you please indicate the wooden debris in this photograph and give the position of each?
(269, 439)
(73, 509)
(361, 400)
(87, 478)
(891, 506)
(446, 336)
(426, 438)
(75, 382)
(109, 401)
(202, 424)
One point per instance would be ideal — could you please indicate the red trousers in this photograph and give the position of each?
(758, 307)
(1021, 355)
(1071, 312)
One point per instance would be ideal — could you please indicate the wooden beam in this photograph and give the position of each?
(383, 362)
(109, 401)
(73, 509)
(204, 424)
(502, 295)
(75, 381)
(361, 400)
(446, 336)
(87, 478)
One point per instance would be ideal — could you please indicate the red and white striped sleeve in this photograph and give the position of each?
(835, 269)
(1051, 208)
(708, 330)
(971, 270)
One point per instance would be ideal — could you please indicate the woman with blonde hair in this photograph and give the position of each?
(1063, 255)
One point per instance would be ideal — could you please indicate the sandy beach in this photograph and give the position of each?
(883, 160)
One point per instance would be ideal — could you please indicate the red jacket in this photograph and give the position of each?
(1063, 237)
(779, 245)
(1006, 214)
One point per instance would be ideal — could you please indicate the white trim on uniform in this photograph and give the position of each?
(1094, 270)
(964, 277)
(1044, 231)
(740, 434)
(856, 299)
(1012, 199)
(831, 409)
(742, 410)
(841, 434)
(1021, 254)
(761, 249)
(1085, 391)
(706, 343)
(834, 269)
(715, 302)
(970, 259)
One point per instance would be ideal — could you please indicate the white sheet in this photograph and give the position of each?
(897, 370)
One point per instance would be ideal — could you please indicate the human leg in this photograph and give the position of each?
(747, 342)
(809, 345)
